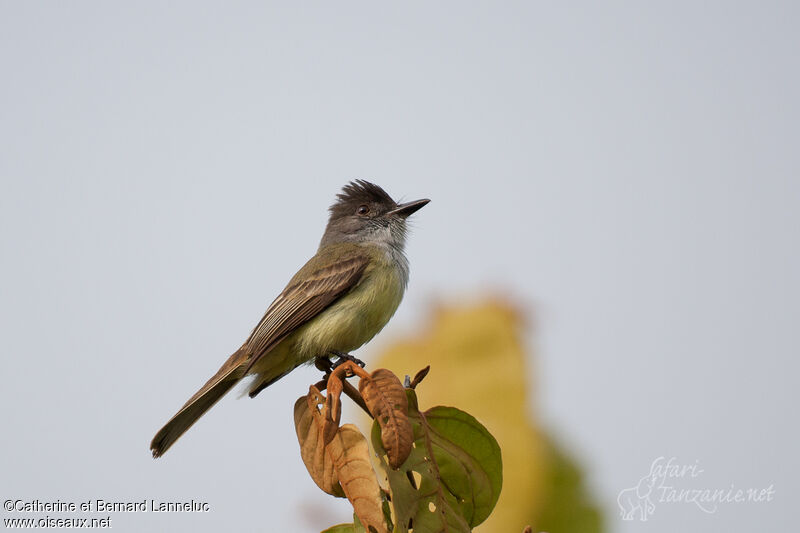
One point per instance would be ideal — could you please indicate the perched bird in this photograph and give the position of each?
(339, 300)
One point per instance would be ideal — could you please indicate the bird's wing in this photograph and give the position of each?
(302, 300)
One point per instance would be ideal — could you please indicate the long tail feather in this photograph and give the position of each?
(215, 388)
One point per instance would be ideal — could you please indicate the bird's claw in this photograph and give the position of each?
(346, 357)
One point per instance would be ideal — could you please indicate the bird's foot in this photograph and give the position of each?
(346, 357)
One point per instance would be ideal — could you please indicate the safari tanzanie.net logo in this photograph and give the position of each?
(670, 482)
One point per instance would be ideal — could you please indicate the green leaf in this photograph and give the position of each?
(355, 527)
(459, 468)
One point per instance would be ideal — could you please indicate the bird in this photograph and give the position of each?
(338, 301)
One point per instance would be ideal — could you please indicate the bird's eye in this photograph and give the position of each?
(362, 209)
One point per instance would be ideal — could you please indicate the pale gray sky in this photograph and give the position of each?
(628, 171)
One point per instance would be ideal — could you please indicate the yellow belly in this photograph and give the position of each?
(353, 319)
(344, 326)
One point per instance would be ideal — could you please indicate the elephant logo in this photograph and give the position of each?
(638, 499)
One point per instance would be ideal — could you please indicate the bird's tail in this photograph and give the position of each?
(226, 377)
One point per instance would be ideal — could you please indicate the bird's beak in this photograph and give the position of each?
(407, 208)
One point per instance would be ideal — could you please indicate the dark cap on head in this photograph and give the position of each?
(360, 192)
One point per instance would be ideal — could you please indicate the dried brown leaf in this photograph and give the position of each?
(340, 467)
(308, 422)
(349, 452)
(419, 377)
(386, 399)
(347, 369)
(332, 413)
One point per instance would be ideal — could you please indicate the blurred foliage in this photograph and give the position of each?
(479, 362)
